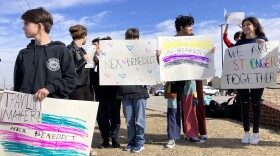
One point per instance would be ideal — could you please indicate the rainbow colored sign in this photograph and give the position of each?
(251, 66)
(186, 58)
(66, 129)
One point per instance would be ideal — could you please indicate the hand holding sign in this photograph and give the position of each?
(234, 17)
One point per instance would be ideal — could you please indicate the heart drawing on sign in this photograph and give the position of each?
(150, 71)
(110, 44)
(140, 79)
(147, 50)
(122, 75)
(129, 47)
(124, 61)
(107, 75)
(104, 53)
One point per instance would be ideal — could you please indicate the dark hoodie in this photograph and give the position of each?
(82, 72)
(48, 66)
(132, 92)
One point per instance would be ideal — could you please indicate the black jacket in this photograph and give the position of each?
(82, 72)
(132, 92)
(49, 66)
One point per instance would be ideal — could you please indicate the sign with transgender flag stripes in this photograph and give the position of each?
(66, 128)
(186, 57)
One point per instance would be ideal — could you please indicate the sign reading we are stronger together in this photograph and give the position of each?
(251, 66)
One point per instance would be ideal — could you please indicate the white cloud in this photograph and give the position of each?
(4, 20)
(12, 7)
(206, 23)
(276, 6)
(60, 30)
(165, 25)
(271, 28)
(11, 44)
(100, 16)
(133, 13)
(251, 14)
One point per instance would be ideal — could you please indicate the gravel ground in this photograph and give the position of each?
(224, 139)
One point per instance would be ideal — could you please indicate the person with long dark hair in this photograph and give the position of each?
(252, 32)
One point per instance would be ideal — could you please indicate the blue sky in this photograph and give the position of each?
(112, 17)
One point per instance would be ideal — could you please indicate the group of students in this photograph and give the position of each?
(48, 68)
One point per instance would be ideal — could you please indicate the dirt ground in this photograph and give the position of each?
(224, 139)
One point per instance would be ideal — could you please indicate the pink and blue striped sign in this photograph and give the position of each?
(66, 129)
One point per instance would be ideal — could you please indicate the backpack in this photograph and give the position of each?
(225, 110)
(234, 110)
(216, 110)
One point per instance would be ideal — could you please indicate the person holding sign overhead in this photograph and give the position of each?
(252, 32)
(45, 68)
(236, 37)
(134, 100)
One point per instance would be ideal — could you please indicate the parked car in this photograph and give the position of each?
(159, 91)
(152, 90)
(208, 90)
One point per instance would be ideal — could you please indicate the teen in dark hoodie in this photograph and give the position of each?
(134, 100)
(45, 68)
(108, 115)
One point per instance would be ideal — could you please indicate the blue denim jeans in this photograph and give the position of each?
(134, 112)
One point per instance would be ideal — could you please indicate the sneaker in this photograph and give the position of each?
(115, 143)
(104, 144)
(254, 139)
(170, 144)
(92, 152)
(204, 137)
(195, 140)
(246, 138)
(129, 147)
(138, 148)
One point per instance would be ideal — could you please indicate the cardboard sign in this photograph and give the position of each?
(251, 66)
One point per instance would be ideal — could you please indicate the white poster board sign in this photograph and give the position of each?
(186, 58)
(66, 129)
(20, 108)
(235, 17)
(91, 49)
(251, 66)
(127, 62)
